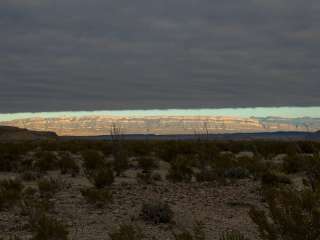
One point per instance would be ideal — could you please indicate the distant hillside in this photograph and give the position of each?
(18, 134)
(165, 125)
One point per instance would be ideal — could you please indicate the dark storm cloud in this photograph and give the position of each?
(102, 54)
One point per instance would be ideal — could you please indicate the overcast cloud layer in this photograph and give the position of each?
(100, 54)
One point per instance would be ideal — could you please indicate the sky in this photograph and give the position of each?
(81, 55)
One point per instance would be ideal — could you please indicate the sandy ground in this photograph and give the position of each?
(219, 207)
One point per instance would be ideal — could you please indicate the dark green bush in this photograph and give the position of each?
(294, 163)
(147, 164)
(32, 202)
(156, 212)
(291, 215)
(46, 161)
(102, 177)
(48, 187)
(237, 172)
(44, 227)
(273, 178)
(92, 160)
(197, 234)
(30, 176)
(233, 235)
(127, 232)
(180, 170)
(313, 173)
(10, 192)
(97, 197)
(67, 164)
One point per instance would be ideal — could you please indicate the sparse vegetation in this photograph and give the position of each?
(101, 178)
(44, 227)
(233, 235)
(97, 197)
(156, 212)
(180, 170)
(127, 232)
(197, 234)
(52, 189)
(291, 215)
(10, 192)
(48, 187)
(67, 164)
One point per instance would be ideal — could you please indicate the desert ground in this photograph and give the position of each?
(63, 190)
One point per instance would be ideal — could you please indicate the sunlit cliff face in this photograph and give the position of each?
(173, 121)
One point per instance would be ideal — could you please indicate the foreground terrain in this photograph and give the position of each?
(156, 189)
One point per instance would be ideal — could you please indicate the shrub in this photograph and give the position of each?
(127, 232)
(147, 163)
(97, 197)
(48, 187)
(145, 177)
(32, 202)
(237, 172)
(8, 161)
(68, 164)
(233, 235)
(180, 170)
(272, 178)
(92, 160)
(156, 212)
(198, 233)
(101, 178)
(30, 176)
(207, 175)
(294, 163)
(10, 192)
(44, 227)
(46, 161)
(292, 215)
(313, 173)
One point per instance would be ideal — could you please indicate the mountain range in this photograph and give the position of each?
(164, 125)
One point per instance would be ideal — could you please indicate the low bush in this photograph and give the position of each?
(10, 192)
(180, 170)
(145, 177)
(294, 163)
(291, 215)
(273, 178)
(102, 177)
(92, 160)
(156, 212)
(46, 161)
(48, 187)
(237, 172)
(68, 164)
(233, 235)
(197, 234)
(44, 227)
(97, 197)
(147, 164)
(127, 232)
(29, 176)
(32, 202)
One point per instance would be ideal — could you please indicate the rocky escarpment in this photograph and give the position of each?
(8, 133)
(164, 125)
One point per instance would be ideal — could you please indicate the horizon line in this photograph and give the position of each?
(284, 111)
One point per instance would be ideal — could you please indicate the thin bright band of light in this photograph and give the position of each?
(290, 112)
